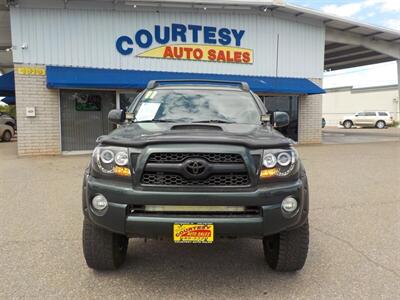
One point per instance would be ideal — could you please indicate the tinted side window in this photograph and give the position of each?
(370, 114)
(126, 99)
(381, 113)
(361, 114)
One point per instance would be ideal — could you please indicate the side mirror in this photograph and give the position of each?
(117, 116)
(280, 119)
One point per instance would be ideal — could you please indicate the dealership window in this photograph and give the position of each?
(87, 101)
(287, 104)
(84, 117)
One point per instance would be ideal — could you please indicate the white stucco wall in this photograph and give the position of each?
(339, 102)
(86, 38)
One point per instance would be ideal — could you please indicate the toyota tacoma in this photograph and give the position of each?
(193, 161)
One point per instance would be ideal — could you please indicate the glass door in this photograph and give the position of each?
(84, 117)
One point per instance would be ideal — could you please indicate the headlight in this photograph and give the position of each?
(107, 156)
(279, 163)
(269, 160)
(121, 158)
(284, 159)
(111, 161)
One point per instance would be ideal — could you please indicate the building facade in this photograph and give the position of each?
(74, 63)
(344, 101)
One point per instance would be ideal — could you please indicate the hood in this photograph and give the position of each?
(143, 134)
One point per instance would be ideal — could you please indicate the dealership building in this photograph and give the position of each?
(73, 61)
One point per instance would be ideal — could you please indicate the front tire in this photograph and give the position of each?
(380, 124)
(287, 251)
(103, 250)
(7, 135)
(347, 124)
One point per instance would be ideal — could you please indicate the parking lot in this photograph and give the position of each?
(354, 247)
(335, 135)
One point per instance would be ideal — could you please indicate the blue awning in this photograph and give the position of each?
(10, 100)
(68, 77)
(7, 84)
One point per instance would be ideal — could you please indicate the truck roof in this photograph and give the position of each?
(198, 87)
(199, 82)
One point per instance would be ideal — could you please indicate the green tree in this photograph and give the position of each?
(9, 109)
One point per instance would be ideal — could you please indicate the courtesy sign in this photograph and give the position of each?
(187, 42)
(193, 233)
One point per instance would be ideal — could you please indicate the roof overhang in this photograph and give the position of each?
(69, 77)
(7, 84)
(10, 100)
(350, 43)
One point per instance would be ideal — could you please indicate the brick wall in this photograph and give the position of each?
(310, 116)
(40, 134)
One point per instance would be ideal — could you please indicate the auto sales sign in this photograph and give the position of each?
(187, 42)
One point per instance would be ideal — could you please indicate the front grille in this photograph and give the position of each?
(175, 157)
(179, 169)
(213, 180)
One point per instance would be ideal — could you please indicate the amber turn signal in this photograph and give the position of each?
(122, 171)
(267, 173)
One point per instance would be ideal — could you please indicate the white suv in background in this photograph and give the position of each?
(378, 119)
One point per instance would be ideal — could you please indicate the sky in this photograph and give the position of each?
(384, 13)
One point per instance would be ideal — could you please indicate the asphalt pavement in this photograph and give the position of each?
(340, 135)
(354, 246)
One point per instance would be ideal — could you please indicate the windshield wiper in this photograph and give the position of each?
(213, 121)
(157, 121)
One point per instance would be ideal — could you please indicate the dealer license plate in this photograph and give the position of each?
(194, 233)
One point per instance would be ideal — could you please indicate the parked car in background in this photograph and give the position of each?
(6, 119)
(378, 119)
(6, 132)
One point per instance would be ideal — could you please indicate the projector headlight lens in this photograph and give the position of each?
(107, 156)
(121, 158)
(269, 160)
(284, 159)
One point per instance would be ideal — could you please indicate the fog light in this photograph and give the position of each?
(289, 204)
(99, 202)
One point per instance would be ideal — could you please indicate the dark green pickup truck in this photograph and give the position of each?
(194, 161)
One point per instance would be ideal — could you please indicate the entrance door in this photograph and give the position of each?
(287, 104)
(84, 117)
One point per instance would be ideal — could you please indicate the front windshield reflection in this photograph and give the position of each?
(191, 105)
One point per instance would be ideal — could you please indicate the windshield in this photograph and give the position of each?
(197, 105)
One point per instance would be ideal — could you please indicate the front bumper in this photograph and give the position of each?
(120, 195)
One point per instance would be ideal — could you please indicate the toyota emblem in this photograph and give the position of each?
(195, 167)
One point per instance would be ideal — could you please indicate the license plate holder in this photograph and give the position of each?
(195, 233)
